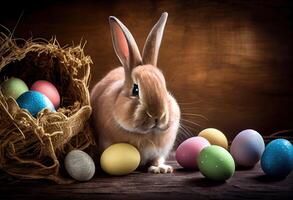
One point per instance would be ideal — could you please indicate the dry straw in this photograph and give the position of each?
(33, 148)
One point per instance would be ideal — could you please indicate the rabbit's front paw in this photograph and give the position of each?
(161, 169)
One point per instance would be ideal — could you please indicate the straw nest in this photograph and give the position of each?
(33, 148)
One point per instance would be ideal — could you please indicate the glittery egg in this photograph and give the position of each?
(188, 151)
(277, 159)
(48, 89)
(215, 137)
(247, 148)
(34, 102)
(13, 87)
(79, 165)
(216, 163)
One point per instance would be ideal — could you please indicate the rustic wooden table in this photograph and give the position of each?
(245, 184)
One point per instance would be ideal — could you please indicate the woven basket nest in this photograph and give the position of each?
(34, 148)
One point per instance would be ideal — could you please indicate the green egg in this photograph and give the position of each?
(216, 163)
(13, 87)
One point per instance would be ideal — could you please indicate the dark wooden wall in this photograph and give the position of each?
(230, 61)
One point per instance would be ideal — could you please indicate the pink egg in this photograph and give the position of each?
(48, 89)
(188, 151)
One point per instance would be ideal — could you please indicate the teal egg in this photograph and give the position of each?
(277, 159)
(216, 163)
(34, 102)
(13, 87)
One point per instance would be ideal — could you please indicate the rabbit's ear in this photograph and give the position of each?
(124, 45)
(153, 42)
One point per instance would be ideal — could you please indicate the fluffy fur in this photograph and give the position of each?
(149, 121)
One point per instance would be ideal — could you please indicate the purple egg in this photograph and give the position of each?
(247, 148)
(188, 151)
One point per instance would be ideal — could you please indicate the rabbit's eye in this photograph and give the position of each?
(135, 90)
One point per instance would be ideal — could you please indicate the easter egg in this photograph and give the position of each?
(13, 87)
(79, 165)
(48, 89)
(34, 102)
(277, 158)
(188, 151)
(216, 163)
(120, 159)
(247, 148)
(215, 137)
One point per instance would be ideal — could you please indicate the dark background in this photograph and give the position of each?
(230, 61)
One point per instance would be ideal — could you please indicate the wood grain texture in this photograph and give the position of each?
(245, 184)
(230, 61)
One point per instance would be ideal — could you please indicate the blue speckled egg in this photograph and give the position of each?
(34, 102)
(277, 159)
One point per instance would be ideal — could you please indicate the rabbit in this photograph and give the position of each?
(131, 103)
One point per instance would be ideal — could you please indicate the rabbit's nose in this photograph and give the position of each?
(155, 123)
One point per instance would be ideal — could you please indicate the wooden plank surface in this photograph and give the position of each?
(245, 184)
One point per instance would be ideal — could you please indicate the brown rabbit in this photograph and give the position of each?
(131, 104)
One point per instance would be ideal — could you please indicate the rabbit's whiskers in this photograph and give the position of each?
(191, 122)
(184, 133)
(196, 115)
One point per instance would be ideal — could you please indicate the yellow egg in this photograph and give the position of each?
(120, 159)
(215, 137)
